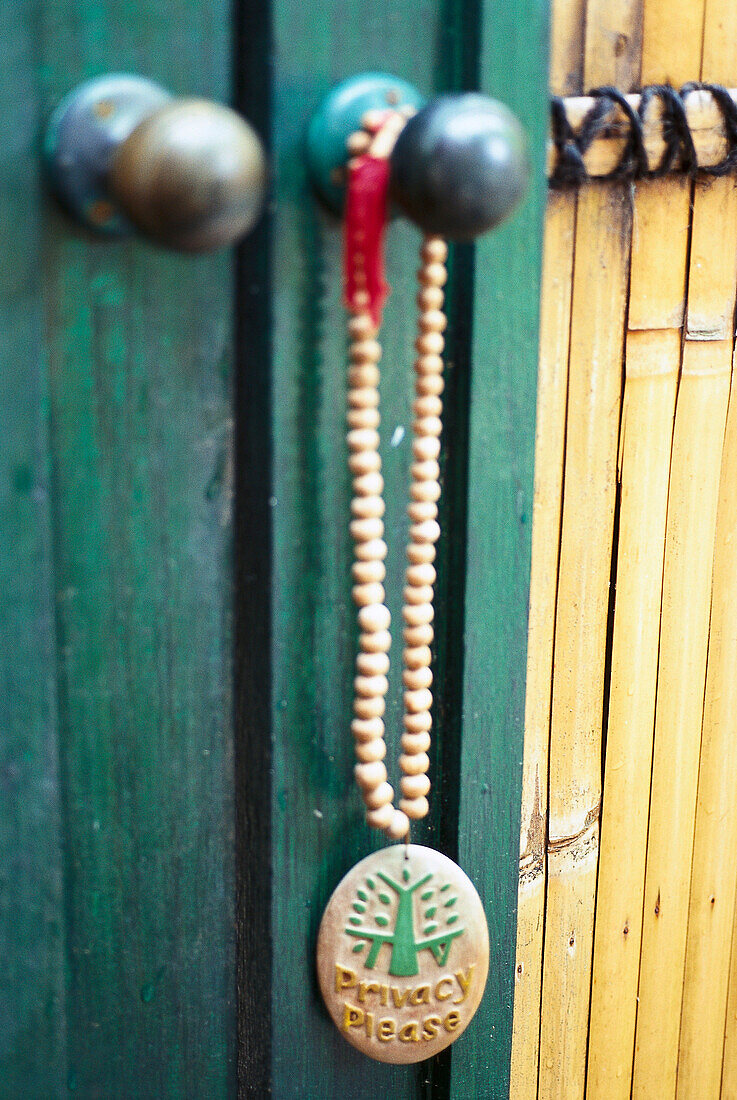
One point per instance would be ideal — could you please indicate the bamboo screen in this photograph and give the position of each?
(628, 861)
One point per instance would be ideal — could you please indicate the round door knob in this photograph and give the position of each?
(125, 156)
(460, 166)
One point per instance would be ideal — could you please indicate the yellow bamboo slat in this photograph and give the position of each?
(729, 1062)
(567, 22)
(659, 253)
(652, 362)
(697, 448)
(714, 876)
(710, 310)
(566, 64)
(697, 454)
(711, 905)
(601, 263)
(549, 450)
(600, 281)
(660, 231)
(660, 235)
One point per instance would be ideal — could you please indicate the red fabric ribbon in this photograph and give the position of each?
(366, 215)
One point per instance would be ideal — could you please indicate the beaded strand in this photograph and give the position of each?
(380, 131)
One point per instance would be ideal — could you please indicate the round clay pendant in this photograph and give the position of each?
(403, 953)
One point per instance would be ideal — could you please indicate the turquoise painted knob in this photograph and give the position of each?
(337, 117)
(460, 166)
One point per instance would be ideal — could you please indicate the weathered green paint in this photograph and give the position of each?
(125, 863)
(136, 356)
(513, 68)
(32, 1012)
(317, 831)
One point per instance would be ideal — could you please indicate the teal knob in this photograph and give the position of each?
(338, 116)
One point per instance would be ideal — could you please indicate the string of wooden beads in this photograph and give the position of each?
(377, 137)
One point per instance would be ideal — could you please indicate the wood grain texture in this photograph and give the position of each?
(139, 350)
(500, 500)
(662, 212)
(32, 919)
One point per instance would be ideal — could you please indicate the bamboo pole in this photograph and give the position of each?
(697, 453)
(652, 362)
(600, 280)
(601, 262)
(697, 445)
(566, 58)
(549, 448)
(653, 354)
(714, 875)
(729, 1062)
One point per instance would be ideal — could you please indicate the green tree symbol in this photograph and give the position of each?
(438, 932)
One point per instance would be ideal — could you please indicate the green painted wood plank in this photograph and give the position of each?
(513, 67)
(140, 349)
(32, 1011)
(317, 828)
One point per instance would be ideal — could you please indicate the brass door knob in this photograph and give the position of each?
(124, 156)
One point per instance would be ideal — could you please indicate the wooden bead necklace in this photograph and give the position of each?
(433, 981)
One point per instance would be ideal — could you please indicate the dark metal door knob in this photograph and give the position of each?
(125, 156)
(459, 167)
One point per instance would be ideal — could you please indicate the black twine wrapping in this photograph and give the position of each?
(680, 153)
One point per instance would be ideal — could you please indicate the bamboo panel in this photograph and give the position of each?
(601, 263)
(600, 279)
(714, 875)
(697, 453)
(697, 447)
(711, 907)
(670, 454)
(550, 442)
(566, 61)
(660, 238)
(652, 362)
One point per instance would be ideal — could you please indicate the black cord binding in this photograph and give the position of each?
(679, 154)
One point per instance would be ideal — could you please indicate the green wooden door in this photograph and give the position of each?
(176, 633)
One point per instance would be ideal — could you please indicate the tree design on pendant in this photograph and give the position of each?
(438, 911)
